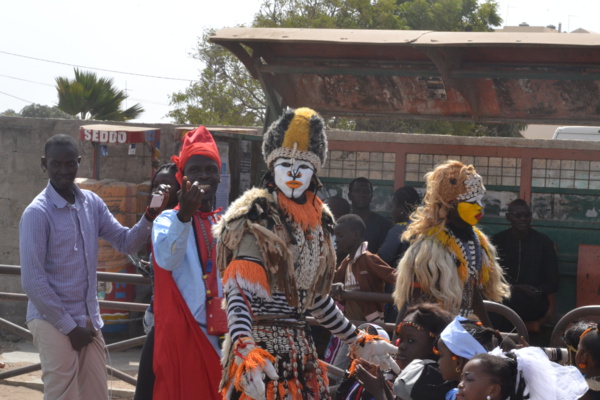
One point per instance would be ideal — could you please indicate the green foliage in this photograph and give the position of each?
(9, 113)
(90, 97)
(38, 111)
(449, 15)
(341, 14)
(226, 94)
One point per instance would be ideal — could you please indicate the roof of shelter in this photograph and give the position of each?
(488, 76)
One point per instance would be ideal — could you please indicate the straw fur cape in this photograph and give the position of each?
(435, 262)
(257, 213)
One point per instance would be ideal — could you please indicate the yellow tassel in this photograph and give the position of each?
(485, 275)
(448, 241)
(462, 272)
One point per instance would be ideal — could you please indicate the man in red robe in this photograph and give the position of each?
(187, 285)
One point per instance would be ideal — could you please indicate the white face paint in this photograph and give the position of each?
(292, 177)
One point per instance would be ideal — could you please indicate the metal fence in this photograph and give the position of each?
(137, 279)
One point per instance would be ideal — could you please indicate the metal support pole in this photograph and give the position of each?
(20, 371)
(16, 329)
(120, 375)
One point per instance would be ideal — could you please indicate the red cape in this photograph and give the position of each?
(185, 363)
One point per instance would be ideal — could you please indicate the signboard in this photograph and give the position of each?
(118, 134)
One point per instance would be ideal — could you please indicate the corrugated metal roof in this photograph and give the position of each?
(488, 76)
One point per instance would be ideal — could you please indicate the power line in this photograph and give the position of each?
(97, 69)
(26, 80)
(147, 101)
(18, 98)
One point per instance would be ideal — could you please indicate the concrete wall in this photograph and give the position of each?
(560, 178)
(21, 147)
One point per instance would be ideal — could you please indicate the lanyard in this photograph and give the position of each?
(206, 255)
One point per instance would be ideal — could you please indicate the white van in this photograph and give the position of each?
(591, 133)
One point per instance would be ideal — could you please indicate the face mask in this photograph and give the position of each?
(292, 176)
(469, 212)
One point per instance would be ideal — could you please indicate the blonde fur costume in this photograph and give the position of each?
(435, 261)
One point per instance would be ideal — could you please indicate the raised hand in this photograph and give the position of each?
(190, 198)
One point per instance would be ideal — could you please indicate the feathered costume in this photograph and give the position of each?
(277, 262)
(280, 268)
(445, 263)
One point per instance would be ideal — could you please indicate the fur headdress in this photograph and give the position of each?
(456, 182)
(297, 134)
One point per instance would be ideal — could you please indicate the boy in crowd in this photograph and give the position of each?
(360, 270)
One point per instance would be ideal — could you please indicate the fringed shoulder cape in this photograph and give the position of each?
(435, 264)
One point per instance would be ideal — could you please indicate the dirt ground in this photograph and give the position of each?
(29, 387)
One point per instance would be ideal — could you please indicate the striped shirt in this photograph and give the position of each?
(324, 310)
(59, 255)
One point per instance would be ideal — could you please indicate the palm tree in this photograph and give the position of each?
(90, 97)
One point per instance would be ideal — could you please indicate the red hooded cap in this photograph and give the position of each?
(198, 142)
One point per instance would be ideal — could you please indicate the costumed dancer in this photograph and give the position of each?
(277, 260)
(449, 260)
(187, 288)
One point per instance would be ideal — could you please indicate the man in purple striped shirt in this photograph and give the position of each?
(59, 234)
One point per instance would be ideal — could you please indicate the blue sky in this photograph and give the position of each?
(156, 38)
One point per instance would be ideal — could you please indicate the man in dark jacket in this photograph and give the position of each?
(529, 261)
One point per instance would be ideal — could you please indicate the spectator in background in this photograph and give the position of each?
(572, 336)
(460, 341)
(58, 235)
(165, 175)
(529, 262)
(360, 193)
(520, 374)
(405, 201)
(338, 206)
(360, 270)
(587, 360)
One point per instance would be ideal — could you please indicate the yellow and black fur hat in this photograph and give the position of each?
(297, 134)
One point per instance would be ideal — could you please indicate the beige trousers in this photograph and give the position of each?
(68, 374)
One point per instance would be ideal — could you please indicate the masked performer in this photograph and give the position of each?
(449, 260)
(277, 259)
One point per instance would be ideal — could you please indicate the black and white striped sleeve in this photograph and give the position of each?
(239, 317)
(327, 313)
